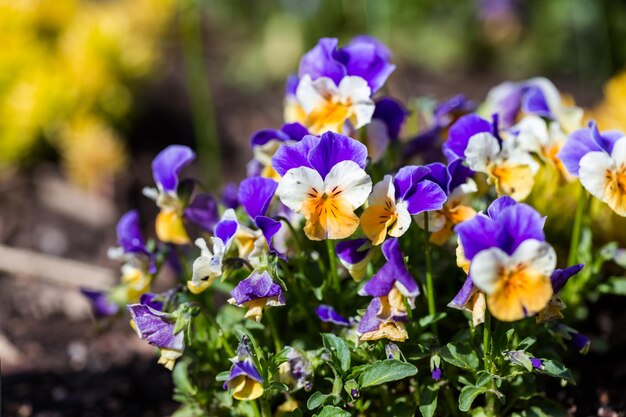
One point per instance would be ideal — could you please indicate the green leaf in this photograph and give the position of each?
(338, 349)
(317, 400)
(461, 356)
(386, 371)
(330, 411)
(527, 343)
(428, 401)
(468, 395)
(428, 320)
(222, 376)
(181, 379)
(558, 370)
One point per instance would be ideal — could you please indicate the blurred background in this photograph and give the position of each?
(91, 90)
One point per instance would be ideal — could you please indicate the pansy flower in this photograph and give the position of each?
(166, 168)
(455, 181)
(393, 201)
(510, 167)
(391, 286)
(208, 266)
(544, 138)
(559, 278)
(355, 256)
(324, 179)
(328, 314)
(509, 258)
(257, 292)
(157, 328)
(599, 160)
(265, 143)
(537, 96)
(138, 263)
(335, 84)
(255, 195)
(296, 371)
(244, 379)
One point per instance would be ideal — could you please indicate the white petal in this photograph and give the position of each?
(538, 255)
(402, 222)
(356, 90)
(533, 133)
(204, 248)
(382, 192)
(351, 179)
(462, 190)
(592, 173)
(294, 187)
(619, 152)
(521, 157)
(481, 150)
(485, 268)
(311, 94)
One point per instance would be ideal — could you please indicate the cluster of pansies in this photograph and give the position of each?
(334, 265)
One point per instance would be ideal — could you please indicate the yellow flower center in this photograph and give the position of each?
(328, 215)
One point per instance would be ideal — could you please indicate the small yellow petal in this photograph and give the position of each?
(519, 293)
(515, 181)
(170, 229)
(375, 220)
(245, 389)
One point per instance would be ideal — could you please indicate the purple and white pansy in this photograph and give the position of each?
(256, 293)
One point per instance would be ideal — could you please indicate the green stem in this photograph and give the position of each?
(272, 325)
(430, 290)
(578, 220)
(255, 408)
(294, 233)
(490, 397)
(332, 259)
(266, 410)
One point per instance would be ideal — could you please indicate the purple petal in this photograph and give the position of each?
(458, 104)
(151, 300)
(229, 196)
(534, 102)
(321, 62)
(560, 276)
(203, 211)
(428, 196)
(351, 251)
(392, 113)
(498, 205)
(291, 85)
(436, 373)
(407, 178)
(156, 327)
(392, 272)
(459, 174)
(583, 141)
(370, 321)
(294, 156)
(461, 132)
(368, 59)
(255, 195)
(257, 285)
(246, 368)
(269, 227)
(519, 223)
(295, 131)
(334, 148)
(508, 103)
(439, 174)
(168, 164)
(327, 314)
(129, 234)
(460, 300)
(477, 234)
(536, 362)
(261, 137)
(226, 229)
(101, 306)
(580, 342)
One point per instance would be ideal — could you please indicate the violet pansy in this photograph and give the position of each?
(208, 266)
(157, 328)
(244, 379)
(324, 179)
(393, 201)
(256, 293)
(355, 255)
